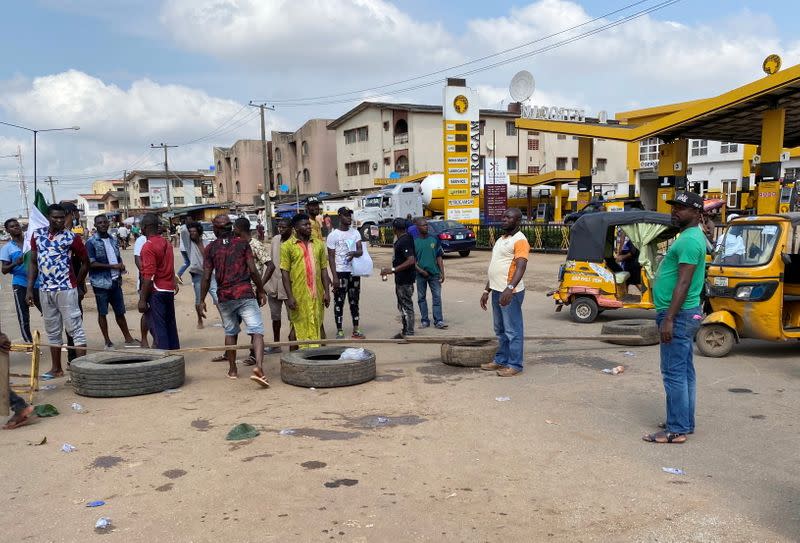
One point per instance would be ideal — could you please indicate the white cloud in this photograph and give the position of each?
(117, 126)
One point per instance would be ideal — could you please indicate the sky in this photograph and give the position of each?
(135, 72)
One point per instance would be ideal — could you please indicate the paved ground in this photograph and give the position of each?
(561, 461)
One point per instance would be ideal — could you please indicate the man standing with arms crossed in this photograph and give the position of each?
(344, 244)
(157, 296)
(507, 291)
(676, 295)
(231, 260)
(430, 273)
(105, 276)
(52, 250)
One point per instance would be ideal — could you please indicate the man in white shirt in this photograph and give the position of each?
(344, 244)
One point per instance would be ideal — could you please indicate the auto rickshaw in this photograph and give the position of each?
(590, 281)
(753, 284)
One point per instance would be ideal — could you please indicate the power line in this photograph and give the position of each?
(463, 64)
(550, 47)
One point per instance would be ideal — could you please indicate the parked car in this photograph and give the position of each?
(454, 236)
(208, 232)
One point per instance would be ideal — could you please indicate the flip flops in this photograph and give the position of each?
(260, 379)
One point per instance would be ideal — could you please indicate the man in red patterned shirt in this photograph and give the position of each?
(231, 260)
(157, 296)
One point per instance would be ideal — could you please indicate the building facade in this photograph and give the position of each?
(150, 189)
(380, 140)
(92, 205)
(239, 172)
(306, 159)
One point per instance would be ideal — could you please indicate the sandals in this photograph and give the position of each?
(249, 361)
(665, 437)
(663, 426)
(220, 358)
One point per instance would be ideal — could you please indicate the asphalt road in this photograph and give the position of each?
(562, 460)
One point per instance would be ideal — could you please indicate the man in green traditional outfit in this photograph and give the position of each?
(304, 265)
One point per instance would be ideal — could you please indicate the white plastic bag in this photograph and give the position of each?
(354, 354)
(362, 265)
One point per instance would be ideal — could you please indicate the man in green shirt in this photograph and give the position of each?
(676, 295)
(430, 273)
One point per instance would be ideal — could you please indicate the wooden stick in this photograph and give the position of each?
(427, 340)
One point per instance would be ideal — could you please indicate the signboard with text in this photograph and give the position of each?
(496, 196)
(461, 146)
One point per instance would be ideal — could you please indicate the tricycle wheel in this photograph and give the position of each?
(583, 310)
(715, 340)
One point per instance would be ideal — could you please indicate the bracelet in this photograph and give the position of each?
(392, 269)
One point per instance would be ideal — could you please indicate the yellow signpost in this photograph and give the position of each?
(461, 146)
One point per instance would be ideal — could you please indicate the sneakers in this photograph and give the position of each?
(109, 346)
(339, 334)
(357, 334)
(440, 325)
(424, 324)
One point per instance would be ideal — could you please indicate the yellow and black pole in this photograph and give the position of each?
(585, 162)
(768, 170)
(672, 159)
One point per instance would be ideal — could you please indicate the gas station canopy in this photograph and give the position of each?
(735, 116)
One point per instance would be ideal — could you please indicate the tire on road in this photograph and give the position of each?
(115, 375)
(646, 328)
(320, 367)
(468, 354)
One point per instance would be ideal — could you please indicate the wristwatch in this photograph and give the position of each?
(510, 286)
(392, 269)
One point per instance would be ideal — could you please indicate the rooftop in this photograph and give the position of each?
(412, 108)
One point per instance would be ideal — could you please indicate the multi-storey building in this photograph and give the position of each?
(239, 172)
(151, 189)
(376, 140)
(305, 158)
(92, 205)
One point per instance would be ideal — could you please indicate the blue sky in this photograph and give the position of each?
(135, 72)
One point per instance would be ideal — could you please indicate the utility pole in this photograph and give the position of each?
(166, 169)
(264, 158)
(23, 184)
(50, 181)
(127, 194)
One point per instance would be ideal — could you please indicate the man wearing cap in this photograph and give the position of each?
(313, 211)
(676, 295)
(343, 245)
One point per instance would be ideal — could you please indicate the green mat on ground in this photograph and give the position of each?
(45, 410)
(242, 431)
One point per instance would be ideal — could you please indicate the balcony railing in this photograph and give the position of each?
(400, 139)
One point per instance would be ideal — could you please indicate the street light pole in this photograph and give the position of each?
(166, 169)
(266, 198)
(35, 132)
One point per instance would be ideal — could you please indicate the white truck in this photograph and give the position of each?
(392, 201)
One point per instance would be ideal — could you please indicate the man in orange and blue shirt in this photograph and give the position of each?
(507, 291)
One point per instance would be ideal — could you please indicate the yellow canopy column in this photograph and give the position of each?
(585, 164)
(672, 159)
(768, 172)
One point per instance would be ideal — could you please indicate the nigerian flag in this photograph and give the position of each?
(37, 218)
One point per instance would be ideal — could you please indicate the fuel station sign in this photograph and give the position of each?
(461, 146)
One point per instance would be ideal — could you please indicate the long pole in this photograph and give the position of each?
(166, 170)
(127, 194)
(35, 179)
(265, 160)
(23, 185)
(52, 182)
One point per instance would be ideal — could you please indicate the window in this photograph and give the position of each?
(221, 190)
(357, 168)
(574, 163)
(219, 166)
(198, 199)
(482, 125)
(699, 147)
(401, 132)
(178, 200)
(728, 147)
(101, 206)
(356, 134)
(482, 163)
(238, 188)
(698, 187)
(236, 163)
(561, 136)
(386, 126)
(277, 154)
(729, 191)
(533, 169)
(561, 163)
(648, 150)
(401, 165)
(279, 179)
(575, 137)
(511, 129)
(177, 183)
(533, 144)
(533, 133)
(306, 176)
(601, 164)
(304, 148)
(511, 163)
(387, 161)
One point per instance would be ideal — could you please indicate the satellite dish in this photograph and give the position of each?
(522, 85)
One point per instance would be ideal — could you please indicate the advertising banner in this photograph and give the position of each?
(461, 146)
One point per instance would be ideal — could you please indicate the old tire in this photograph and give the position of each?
(468, 354)
(583, 310)
(715, 340)
(115, 375)
(464, 253)
(321, 368)
(647, 329)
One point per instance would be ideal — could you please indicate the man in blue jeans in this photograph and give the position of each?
(430, 273)
(676, 295)
(105, 276)
(507, 291)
